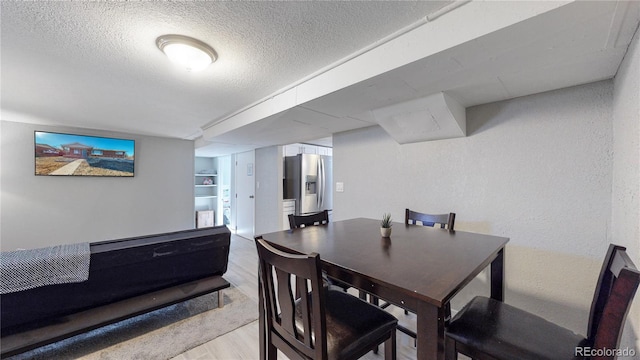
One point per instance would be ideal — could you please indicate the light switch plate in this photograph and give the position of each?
(339, 187)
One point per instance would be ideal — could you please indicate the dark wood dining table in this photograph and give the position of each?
(419, 268)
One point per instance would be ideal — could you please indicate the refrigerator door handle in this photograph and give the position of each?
(320, 184)
(324, 182)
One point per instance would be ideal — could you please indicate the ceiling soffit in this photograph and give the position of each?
(433, 117)
(417, 43)
(521, 51)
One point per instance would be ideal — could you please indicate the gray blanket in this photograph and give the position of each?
(28, 269)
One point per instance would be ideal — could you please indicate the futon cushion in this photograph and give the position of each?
(352, 324)
(506, 332)
(121, 269)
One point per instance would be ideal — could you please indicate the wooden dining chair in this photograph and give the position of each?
(323, 324)
(298, 221)
(321, 218)
(444, 220)
(490, 329)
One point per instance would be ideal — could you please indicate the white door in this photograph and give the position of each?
(245, 194)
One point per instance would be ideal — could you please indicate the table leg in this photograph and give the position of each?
(497, 277)
(430, 330)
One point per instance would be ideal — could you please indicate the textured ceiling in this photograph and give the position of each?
(94, 64)
(293, 70)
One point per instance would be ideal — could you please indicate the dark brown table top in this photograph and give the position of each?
(425, 263)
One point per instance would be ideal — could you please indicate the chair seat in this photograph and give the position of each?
(506, 332)
(352, 324)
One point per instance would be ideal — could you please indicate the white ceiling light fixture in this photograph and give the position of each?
(190, 53)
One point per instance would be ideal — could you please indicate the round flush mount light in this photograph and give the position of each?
(190, 53)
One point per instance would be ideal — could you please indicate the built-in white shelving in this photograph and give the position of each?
(205, 186)
(206, 191)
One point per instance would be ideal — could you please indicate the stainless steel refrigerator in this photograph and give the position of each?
(308, 179)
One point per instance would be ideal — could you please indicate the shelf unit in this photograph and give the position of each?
(203, 190)
(206, 191)
(206, 186)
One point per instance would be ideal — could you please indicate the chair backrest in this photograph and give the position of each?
(616, 287)
(412, 217)
(277, 271)
(297, 221)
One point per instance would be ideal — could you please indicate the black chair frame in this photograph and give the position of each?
(280, 307)
(298, 221)
(445, 220)
(615, 289)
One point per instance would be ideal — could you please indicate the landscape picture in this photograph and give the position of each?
(59, 154)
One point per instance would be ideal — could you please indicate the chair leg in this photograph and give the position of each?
(450, 351)
(261, 322)
(390, 347)
(272, 352)
(406, 312)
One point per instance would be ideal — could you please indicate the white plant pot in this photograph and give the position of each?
(385, 232)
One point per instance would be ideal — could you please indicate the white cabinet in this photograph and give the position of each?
(295, 149)
(291, 150)
(288, 207)
(325, 151)
(308, 149)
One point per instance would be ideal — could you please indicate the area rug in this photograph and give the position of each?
(161, 334)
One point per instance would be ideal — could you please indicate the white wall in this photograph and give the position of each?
(41, 211)
(536, 169)
(625, 218)
(268, 189)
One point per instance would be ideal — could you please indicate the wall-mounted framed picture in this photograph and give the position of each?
(58, 154)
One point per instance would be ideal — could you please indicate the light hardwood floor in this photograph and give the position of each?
(242, 343)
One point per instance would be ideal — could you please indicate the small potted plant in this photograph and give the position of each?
(385, 225)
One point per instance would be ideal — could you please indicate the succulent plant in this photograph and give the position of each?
(386, 222)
